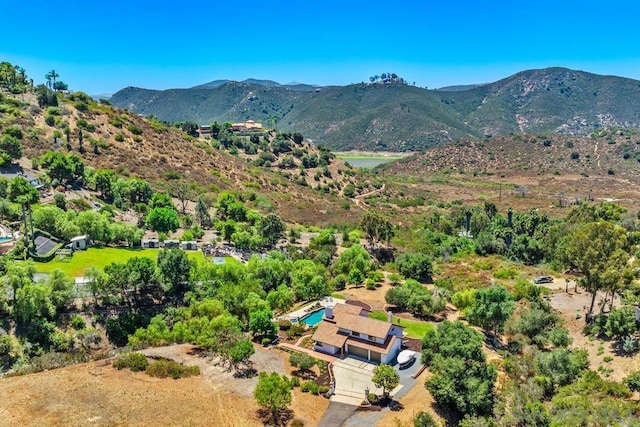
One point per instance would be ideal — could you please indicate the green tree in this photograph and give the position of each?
(161, 200)
(260, 323)
(61, 287)
(272, 392)
(271, 228)
(240, 352)
(416, 266)
(281, 299)
(302, 361)
(355, 262)
(20, 191)
(462, 380)
(96, 225)
(271, 271)
(386, 377)
(202, 213)
(104, 180)
(228, 229)
(34, 300)
(309, 280)
(163, 220)
(491, 308)
(597, 250)
(376, 228)
(10, 149)
(174, 268)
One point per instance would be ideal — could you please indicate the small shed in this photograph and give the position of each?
(189, 245)
(80, 243)
(150, 243)
(171, 243)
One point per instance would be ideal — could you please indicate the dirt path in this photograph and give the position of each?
(358, 200)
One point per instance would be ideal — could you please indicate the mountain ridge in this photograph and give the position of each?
(400, 117)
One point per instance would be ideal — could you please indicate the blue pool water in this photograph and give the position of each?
(312, 319)
(5, 239)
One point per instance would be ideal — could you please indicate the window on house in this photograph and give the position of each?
(355, 334)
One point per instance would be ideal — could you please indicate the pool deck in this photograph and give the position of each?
(308, 308)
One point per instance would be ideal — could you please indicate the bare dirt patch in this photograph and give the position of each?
(96, 394)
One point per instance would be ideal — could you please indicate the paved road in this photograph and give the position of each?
(336, 414)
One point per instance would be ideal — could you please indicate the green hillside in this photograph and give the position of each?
(399, 117)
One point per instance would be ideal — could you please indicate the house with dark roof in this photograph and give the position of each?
(347, 330)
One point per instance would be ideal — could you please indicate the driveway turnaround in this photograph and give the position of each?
(352, 378)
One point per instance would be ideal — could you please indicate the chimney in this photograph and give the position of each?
(328, 312)
(389, 317)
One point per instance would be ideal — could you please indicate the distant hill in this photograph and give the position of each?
(400, 117)
(460, 87)
(301, 87)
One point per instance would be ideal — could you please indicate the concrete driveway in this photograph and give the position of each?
(352, 377)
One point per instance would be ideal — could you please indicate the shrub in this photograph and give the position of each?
(135, 361)
(118, 137)
(81, 106)
(297, 422)
(633, 381)
(424, 419)
(370, 284)
(296, 330)
(284, 325)
(323, 389)
(134, 129)
(266, 342)
(373, 398)
(168, 368)
(628, 344)
(310, 386)
(294, 382)
(50, 120)
(77, 322)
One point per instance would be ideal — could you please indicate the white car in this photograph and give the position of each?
(405, 357)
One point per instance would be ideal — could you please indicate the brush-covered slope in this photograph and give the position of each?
(401, 117)
(232, 101)
(115, 139)
(555, 100)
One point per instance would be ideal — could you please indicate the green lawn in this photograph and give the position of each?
(101, 257)
(413, 328)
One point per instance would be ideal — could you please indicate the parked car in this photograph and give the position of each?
(543, 279)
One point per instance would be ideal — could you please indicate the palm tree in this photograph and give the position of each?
(54, 76)
(51, 77)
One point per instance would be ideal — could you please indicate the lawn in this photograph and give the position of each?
(100, 257)
(413, 328)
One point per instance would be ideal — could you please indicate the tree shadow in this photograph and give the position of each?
(304, 374)
(282, 418)
(245, 372)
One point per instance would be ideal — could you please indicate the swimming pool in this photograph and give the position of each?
(5, 239)
(312, 319)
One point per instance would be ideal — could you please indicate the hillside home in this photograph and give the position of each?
(204, 131)
(190, 245)
(347, 330)
(79, 243)
(150, 243)
(171, 243)
(246, 126)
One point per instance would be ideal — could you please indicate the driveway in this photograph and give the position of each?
(352, 377)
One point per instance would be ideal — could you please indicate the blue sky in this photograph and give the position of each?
(101, 46)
